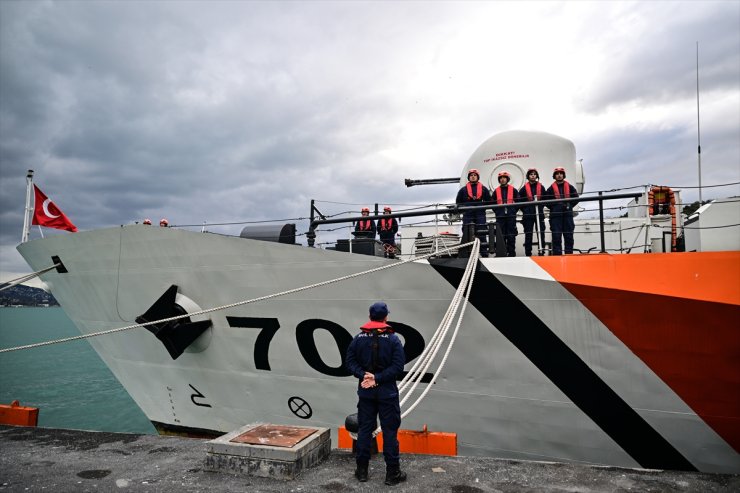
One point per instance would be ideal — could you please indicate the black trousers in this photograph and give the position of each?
(562, 226)
(528, 225)
(368, 410)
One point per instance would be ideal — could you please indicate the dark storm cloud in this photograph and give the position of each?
(634, 157)
(138, 113)
(660, 65)
(234, 111)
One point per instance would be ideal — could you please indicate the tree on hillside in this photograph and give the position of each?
(692, 207)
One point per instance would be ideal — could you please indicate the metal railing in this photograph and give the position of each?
(458, 209)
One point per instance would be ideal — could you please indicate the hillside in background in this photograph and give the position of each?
(26, 296)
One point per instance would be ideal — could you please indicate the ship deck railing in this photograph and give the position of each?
(317, 219)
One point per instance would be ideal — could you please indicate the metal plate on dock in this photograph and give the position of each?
(275, 435)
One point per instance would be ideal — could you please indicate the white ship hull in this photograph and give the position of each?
(537, 372)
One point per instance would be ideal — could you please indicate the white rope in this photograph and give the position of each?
(416, 374)
(239, 303)
(428, 354)
(28, 277)
(468, 289)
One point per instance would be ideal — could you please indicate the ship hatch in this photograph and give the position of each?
(275, 435)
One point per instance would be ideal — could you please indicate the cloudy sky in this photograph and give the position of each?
(239, 111)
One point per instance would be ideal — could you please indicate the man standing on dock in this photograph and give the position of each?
(561, 213)
(376, 357)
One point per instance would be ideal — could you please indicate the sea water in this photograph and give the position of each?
(68, 382)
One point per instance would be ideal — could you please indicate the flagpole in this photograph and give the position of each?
(698, 128)
(28, 210)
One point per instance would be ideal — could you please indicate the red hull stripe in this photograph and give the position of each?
(692, 343)
(707, 276)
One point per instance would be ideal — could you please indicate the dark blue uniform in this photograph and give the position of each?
(475, 217)
(506, 216)
(561, 216)
(365, 229)
(386, 365)
(387, 228)
(530, 213)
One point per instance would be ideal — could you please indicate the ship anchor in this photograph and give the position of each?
(176, 335)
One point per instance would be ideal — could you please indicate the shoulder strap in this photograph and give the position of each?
(375, 351)
(509, 195)
(528, 189)
(478, 194)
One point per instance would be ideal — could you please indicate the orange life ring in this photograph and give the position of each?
(662, 192)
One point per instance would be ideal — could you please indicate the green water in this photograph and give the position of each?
(68, 382)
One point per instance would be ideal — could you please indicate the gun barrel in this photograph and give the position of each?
(430, 181)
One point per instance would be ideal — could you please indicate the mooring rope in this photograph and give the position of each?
(28, 277)
(239, 303)
(467, 283)
(463, 292)
(419, 369)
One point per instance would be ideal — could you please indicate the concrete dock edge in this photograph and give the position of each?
(46, 459)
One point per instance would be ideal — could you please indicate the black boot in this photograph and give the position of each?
(361, 472)
(394, 475)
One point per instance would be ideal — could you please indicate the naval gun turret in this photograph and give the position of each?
(516, 151)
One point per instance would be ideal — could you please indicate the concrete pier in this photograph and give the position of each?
(44, 459)
(269, 451)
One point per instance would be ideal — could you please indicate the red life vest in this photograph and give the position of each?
(386, 226)
(379, 326)
(509, 195)
(365, 225)
(566, 189)
(478, 192)
(528, 189)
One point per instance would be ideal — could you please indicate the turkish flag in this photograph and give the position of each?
(47, 214)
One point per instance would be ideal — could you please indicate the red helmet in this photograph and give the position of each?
(147, 221)
(163, 222)
(530, 170)
(558, 170)
(473, 170)
(387, 209)
(506, 175)
(365, 209)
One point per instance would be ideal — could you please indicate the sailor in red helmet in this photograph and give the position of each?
(561, 213)
(164, 223)
(387, 229)
(475, 193)
(376, 358)
(365, 228)
(506, 196)
(532, 190)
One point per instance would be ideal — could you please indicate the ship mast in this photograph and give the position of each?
(698, 130)
(28, 210)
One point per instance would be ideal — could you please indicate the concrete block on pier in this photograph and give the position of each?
(267, 450)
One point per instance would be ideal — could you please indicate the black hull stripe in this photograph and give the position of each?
(565, 369)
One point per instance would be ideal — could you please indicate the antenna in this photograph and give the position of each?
(698, 128)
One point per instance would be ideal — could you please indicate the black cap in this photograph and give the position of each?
(378, 311)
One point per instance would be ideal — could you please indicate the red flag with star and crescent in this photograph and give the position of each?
(46, 213)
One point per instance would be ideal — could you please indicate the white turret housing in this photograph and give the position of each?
(518, 150)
